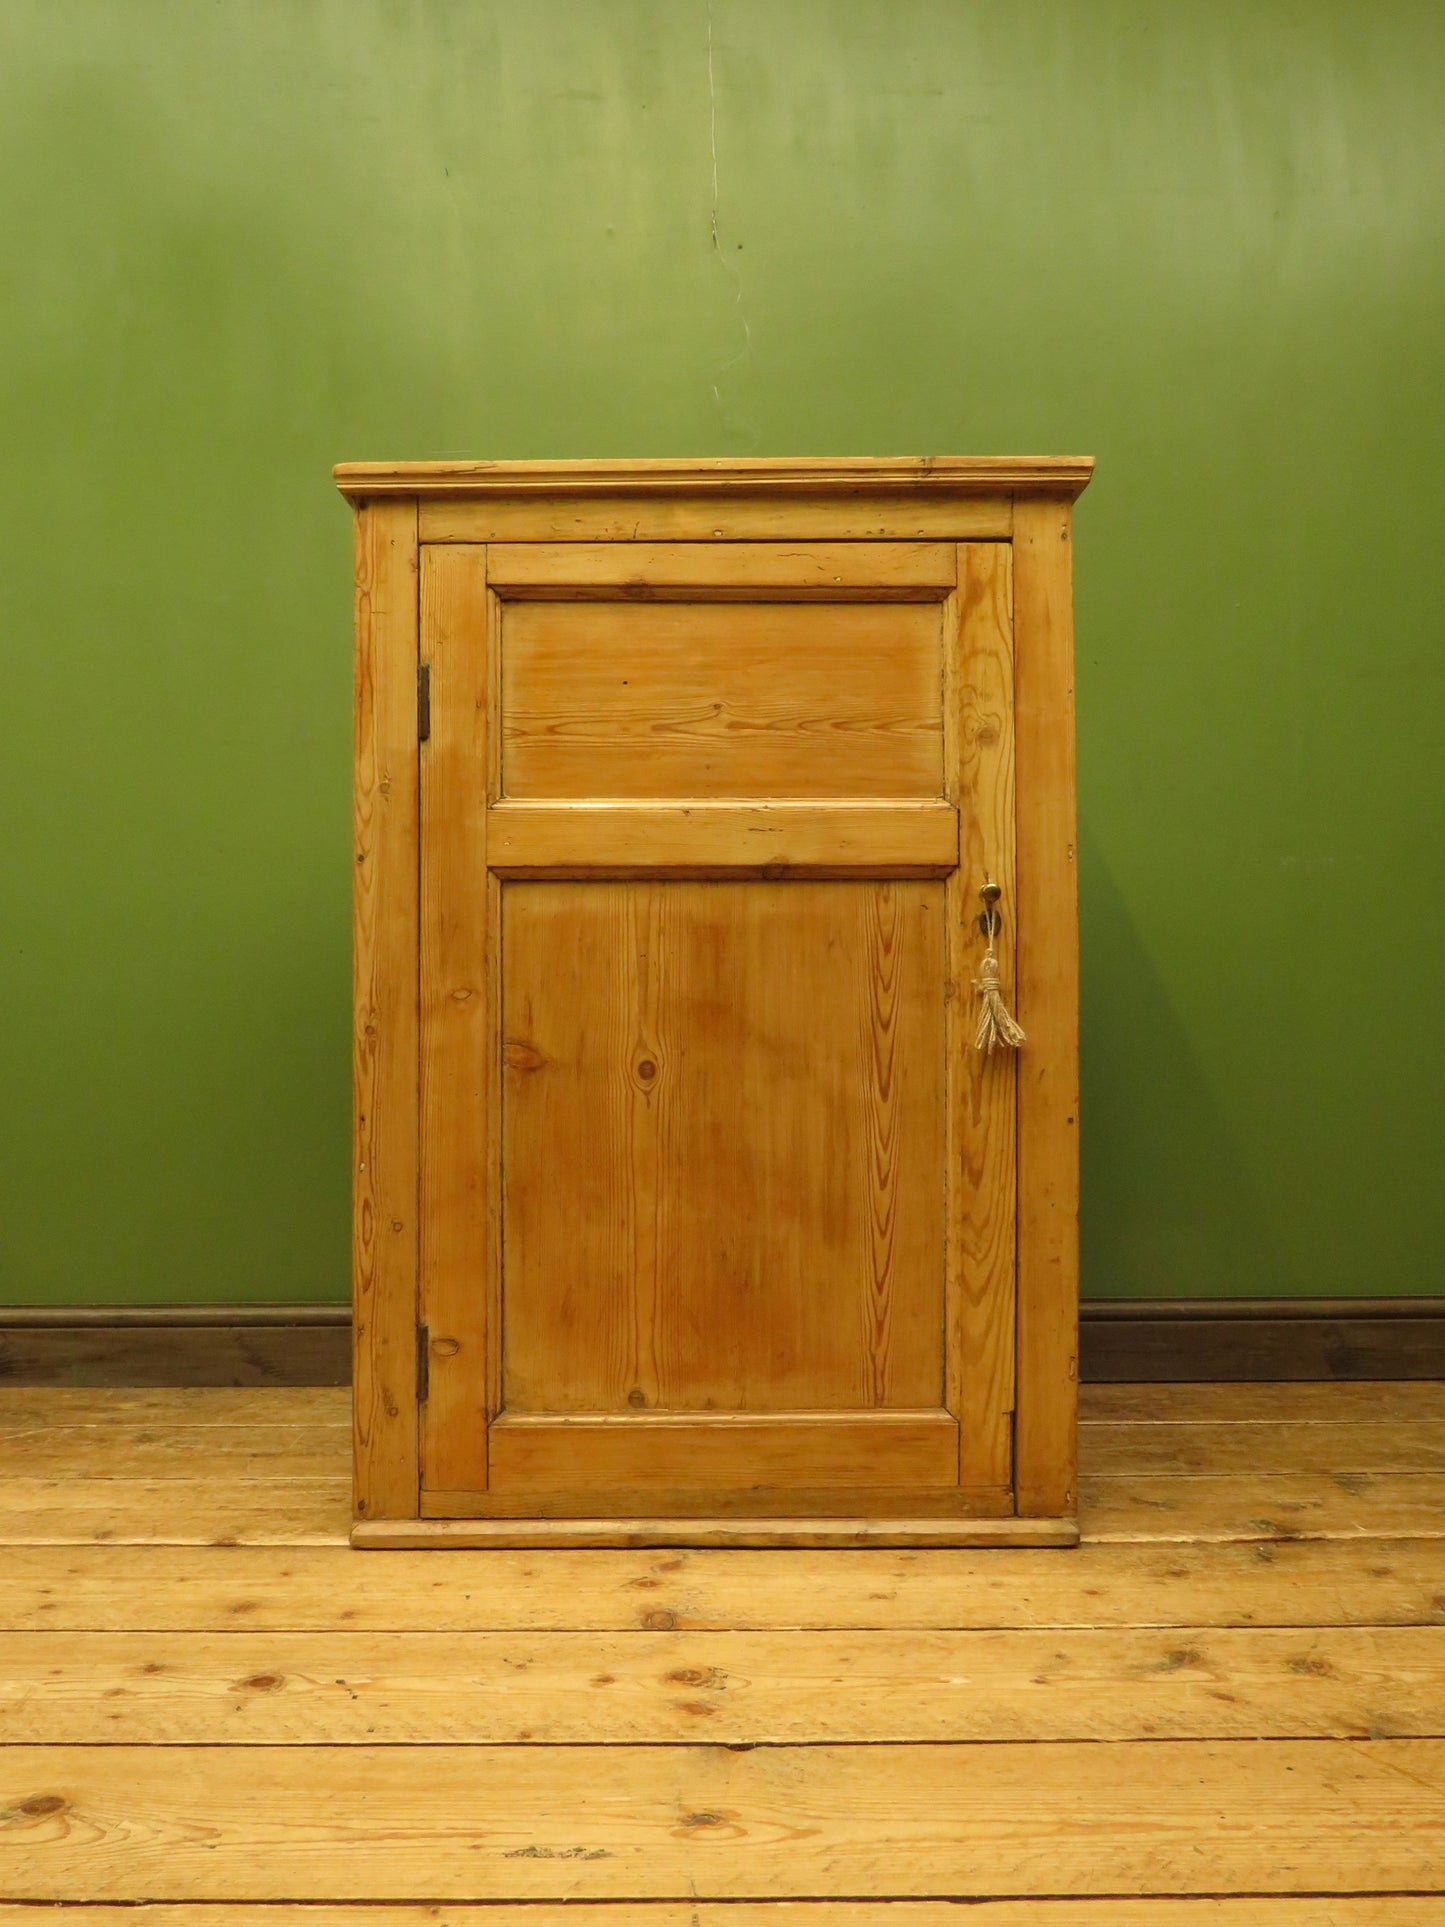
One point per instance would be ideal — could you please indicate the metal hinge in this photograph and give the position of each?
(423, 1363)
(423, 702)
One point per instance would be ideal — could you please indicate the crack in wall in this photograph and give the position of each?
(729, 267)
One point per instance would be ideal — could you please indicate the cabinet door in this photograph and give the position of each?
(717, 1198)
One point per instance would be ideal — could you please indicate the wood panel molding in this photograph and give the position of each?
(1059, 475)
(606, 1451)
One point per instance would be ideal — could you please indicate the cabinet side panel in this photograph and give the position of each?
(384, 1005)
(982, 1159)
(457, 1113)
(1048, 964)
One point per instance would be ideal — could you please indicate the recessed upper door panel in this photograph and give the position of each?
(802, 680)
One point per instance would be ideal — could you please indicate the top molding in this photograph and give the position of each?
(1065, 476)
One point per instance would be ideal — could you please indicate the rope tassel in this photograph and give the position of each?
(997, 1030)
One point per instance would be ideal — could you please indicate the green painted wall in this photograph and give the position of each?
(1200, 239)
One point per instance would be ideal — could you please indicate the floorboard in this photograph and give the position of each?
(1225, 1709)
(1374, 1910)
(734, 1688)
(1254, 1506)
(120, 1588)
(712, 1822)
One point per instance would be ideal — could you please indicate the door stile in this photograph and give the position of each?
(954, 1119)
(492, 969)
(456, 1005)
(981, 1091)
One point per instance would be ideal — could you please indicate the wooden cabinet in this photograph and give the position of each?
(686, 1210)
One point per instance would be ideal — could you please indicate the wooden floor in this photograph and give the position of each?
(1235, 1687)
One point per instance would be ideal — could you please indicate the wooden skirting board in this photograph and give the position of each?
(1121, 1342)
(1267, 1339)
(176, 1345)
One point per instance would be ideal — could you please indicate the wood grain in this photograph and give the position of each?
(1373, 1910)
(118, 1587)
(877, 571)
(384, 1003)
(1362, 1340)
(1403, 1405)
(652, 1451)
(80, 1351)
(723, 1163)
(716, 839)
(458, 1022)
(1047, 964)
(628, 517)
(729, 1688)
(624, 1822)
(1125, 1450)
(181, 1409)
(496, 1021)
(1342, 1505)
(726, 479)
(1266, 1339)
(1138, 1718)
(982, 1091)
(72, 1482)
(721, 699)
(742, 673)
(216, 1510)
(182, 1453)
(466, 1521)
(1408, 1407)
(1161, 1509)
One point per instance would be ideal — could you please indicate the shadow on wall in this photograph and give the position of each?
(1169, 1206)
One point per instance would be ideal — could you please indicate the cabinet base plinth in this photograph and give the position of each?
(529, 1534)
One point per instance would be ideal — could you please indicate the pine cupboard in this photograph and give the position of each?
(686, 1209)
